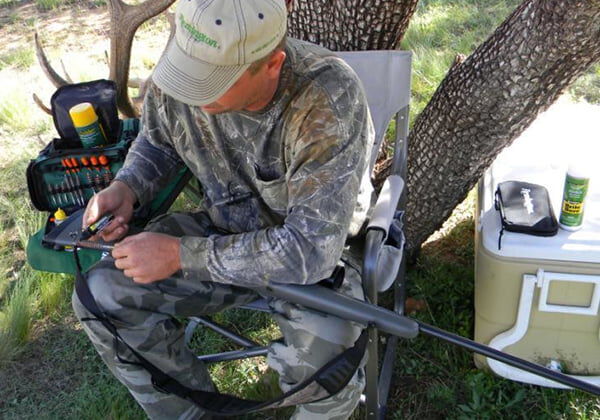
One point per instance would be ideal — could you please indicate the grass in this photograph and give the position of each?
(48, 368)
(20, 58)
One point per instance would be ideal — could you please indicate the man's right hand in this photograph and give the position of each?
(117, 199)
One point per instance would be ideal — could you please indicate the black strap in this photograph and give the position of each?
(332, 377)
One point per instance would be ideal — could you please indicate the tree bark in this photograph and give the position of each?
(351, 25)
(485, 102)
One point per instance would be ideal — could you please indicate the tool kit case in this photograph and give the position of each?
(65, 175)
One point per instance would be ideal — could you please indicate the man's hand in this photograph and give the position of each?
(117, 199)
(148, 256)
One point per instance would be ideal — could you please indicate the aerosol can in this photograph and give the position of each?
(576, 187)
(87, 125)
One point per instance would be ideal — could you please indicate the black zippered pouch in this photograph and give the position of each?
(525, 208)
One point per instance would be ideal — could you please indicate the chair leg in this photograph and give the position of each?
(378, 384)
(372, 377)
(251, 349)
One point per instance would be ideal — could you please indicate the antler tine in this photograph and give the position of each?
(125, 19)
(54, 77)
(62, 65)
(39, 103)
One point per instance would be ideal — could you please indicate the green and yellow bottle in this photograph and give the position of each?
(576, 187)
(87, 125)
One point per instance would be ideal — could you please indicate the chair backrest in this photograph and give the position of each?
(385, 75)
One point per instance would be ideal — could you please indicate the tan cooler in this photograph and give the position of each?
(538, 297)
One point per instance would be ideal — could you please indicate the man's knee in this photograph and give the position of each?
(105, 283)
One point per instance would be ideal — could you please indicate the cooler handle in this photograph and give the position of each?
(545, 278)
(517, 332)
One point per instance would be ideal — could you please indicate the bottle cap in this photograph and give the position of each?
(60, 214)
(582, 169)
(83, 114)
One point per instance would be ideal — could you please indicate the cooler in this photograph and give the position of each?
(537, 297)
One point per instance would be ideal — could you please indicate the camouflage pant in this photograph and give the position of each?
(144, 315)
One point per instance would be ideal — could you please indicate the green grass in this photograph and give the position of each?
(51, 4)
(7, 3)
(48, 368)
(587, 87)
(19, 58)
(17, 315)
(18, 115)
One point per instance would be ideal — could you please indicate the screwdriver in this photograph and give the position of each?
(108, 174)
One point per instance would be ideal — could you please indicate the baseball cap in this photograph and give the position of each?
(215, 42)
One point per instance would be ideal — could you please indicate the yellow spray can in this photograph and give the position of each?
(87, 125)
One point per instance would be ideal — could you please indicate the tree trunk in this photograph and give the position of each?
(351, 25)
(484, 103)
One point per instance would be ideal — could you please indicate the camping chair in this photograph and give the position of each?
(386, 79)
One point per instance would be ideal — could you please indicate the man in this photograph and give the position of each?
(277, 132)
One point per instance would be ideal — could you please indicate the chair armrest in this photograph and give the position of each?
(387, 203)
(381, 262)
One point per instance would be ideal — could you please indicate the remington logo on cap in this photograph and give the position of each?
(196, 34)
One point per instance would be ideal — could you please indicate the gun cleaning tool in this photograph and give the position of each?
(89, 173)
(75, 172)
(69, 190)
(107, 175)
(72, 163)
(52, 198)
(56, 191)
(103, 160)
(96, 227)
(94, 162)
(90, 181)
(98, 181)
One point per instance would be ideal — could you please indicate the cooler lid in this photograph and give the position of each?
(566, 133)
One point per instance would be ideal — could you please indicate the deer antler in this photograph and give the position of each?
(54, 77)
(125, 19)
(51, 74)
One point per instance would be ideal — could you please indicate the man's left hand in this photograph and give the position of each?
(147, 257)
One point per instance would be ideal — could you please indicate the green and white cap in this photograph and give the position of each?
(215, 42)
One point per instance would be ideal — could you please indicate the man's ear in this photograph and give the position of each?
(273, 67)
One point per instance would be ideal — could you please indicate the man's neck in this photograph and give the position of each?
(265, 98)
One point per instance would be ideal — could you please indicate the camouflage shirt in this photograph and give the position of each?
(283, 181)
